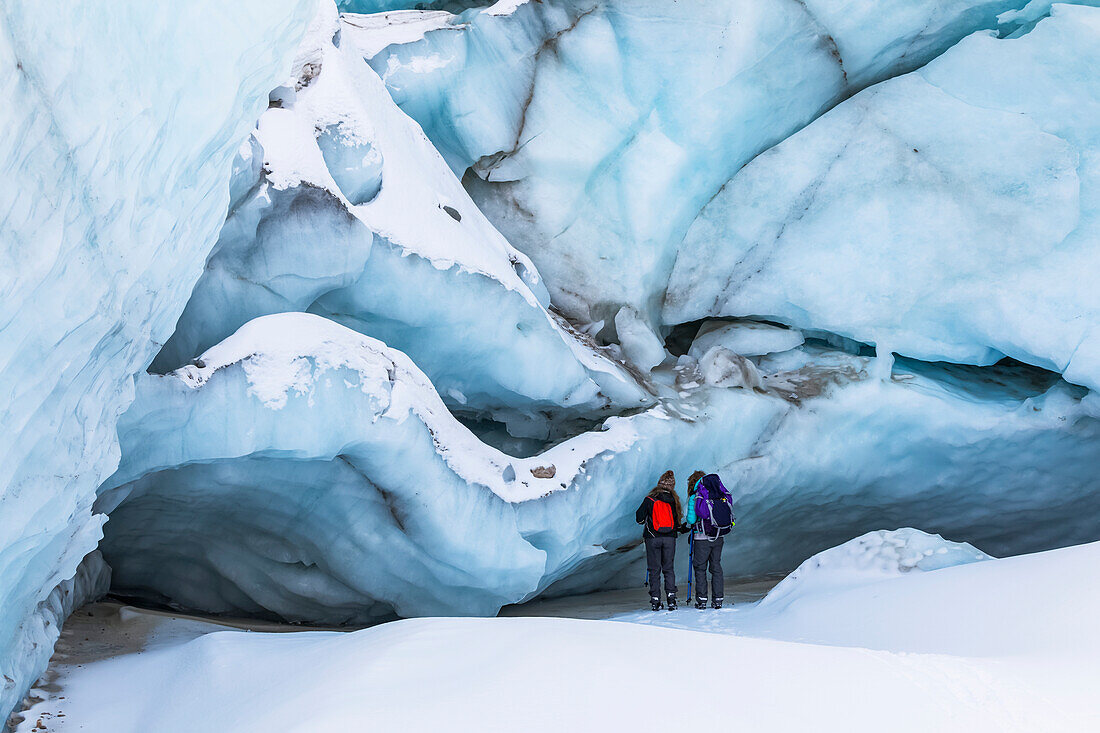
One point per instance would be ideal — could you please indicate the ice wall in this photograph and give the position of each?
(310, 472)
(950, 214)
(603, 128)
(350, 212)
(120, 122)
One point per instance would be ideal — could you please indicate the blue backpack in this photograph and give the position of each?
(714, 506)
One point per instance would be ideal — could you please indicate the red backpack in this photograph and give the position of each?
(660, 517)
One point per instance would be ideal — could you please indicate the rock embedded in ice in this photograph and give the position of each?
(948, 214)
(746, 338)
(120, 126)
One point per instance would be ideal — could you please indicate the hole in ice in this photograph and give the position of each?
(355, 164)
(521, 270)
(1007, 378)
(680, 337)
(523, 435)
(452, 212)
(281, 97)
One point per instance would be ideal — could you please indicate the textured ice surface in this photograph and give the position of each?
(948, 214)
(639, 344)
(309, 465)
(353, 214)
(309, 471)
(298, 423)
(119, 125)
(603, 128)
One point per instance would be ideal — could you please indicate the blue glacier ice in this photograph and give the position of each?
(120, 124)
(949, 214)
(306, 471)
(339, 318)
(598, 130)
(351, 213)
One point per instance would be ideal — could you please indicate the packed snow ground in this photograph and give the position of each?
(994, 645)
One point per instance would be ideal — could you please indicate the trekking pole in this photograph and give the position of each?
(691, 554)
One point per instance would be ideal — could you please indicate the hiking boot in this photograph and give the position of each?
(672, 601)
(718, 603)
(700, 603)
(655, 603)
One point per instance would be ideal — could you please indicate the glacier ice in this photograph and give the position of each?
(640, 345)
(113, 188)
(368, 405)
(948, 214)
(304, 470)
(597, 131)
(747, 338)
(351, 213)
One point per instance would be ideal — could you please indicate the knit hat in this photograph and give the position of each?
(667, 481)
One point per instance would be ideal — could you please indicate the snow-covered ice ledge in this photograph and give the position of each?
(302, 469)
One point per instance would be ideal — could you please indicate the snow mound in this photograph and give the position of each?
(1004, 645)
(872, 557)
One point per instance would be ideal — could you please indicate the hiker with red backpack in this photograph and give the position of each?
(710, 516)
(660, 512)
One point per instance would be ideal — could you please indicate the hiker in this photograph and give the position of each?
(710, 516)
(660, 512)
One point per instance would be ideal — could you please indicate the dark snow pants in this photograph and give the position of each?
(704, 553)
(659, 554)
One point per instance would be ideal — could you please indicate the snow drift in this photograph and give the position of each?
(987, 646)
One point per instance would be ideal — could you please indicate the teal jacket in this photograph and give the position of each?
(690, 518)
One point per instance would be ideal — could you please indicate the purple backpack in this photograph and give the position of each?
(714, 506)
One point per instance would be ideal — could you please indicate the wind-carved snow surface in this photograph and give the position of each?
(993, 646)
(949, 214)
(354, 215)
(120, 124)
(602, 129)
